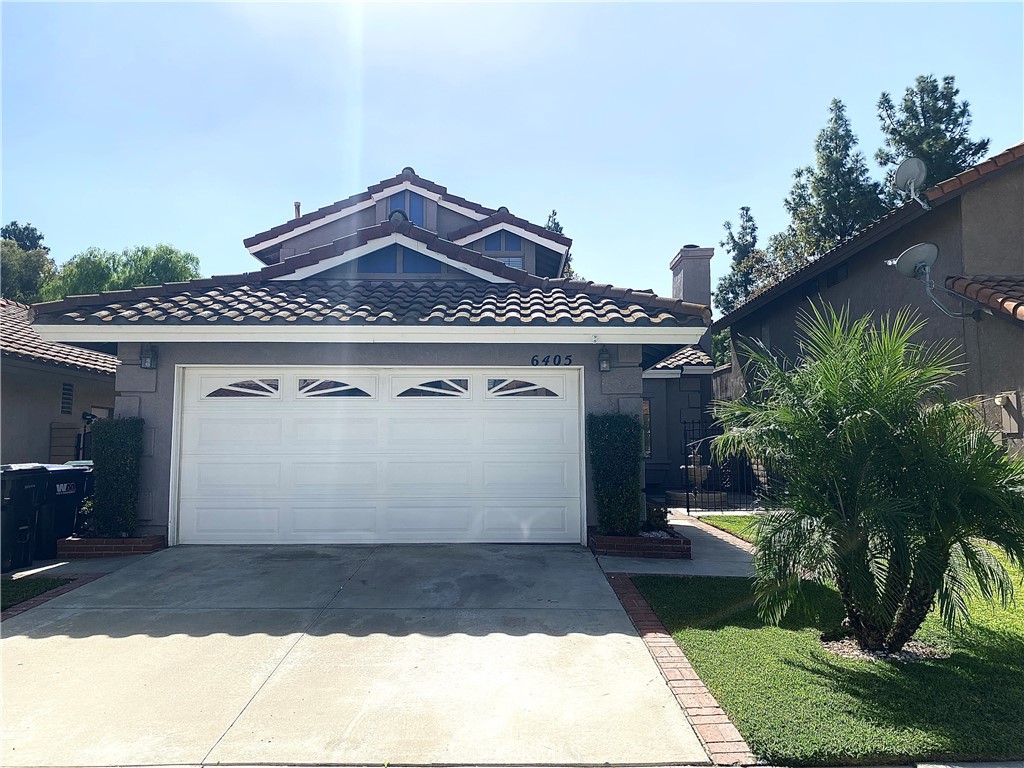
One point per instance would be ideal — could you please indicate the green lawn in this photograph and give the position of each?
(797, 704)
(737, 525)
(14, 591)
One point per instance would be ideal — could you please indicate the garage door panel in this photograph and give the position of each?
(338, 478)
(527, 520)
(429, 431)
(255, 434)
(416, 519)
(517, 477)
(334, 518)
(425, 455)
(329, 430)
(528, 432)
(231, 479)
(234, 521)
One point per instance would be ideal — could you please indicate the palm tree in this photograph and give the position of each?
(889, 492)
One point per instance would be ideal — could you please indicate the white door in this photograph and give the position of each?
(359, 454)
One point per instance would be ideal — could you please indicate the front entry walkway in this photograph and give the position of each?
(463, 654)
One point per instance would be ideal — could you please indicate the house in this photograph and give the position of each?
(45, 387)
(976, 219)
(406, 366)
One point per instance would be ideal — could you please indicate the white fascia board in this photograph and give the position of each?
(206, 331)
(383, 242)
(499, 227)
(675, 373)
(362, 205)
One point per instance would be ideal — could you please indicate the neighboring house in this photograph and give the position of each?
(977, 221)
(44, 389)
(406, 367)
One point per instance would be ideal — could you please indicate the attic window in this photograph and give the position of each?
(411, 204)
(503, 241)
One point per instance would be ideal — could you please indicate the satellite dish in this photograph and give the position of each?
(914, 261)
(910, 175)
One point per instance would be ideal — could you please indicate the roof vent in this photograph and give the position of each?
(408, 171)
(298, 209)
(503, 209)
(691, 245)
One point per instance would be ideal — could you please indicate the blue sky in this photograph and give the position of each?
(646, 126)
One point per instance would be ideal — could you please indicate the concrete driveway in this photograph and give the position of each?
(456, 654)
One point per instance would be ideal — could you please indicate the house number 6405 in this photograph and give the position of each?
(551, 360)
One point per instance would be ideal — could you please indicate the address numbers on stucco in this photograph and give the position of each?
(551, 360)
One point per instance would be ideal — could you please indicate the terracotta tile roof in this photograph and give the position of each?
(890, 222)
(18, 340)
(684, 356)
(1004, 293)
(307, 302)
(407, 174)
(504, 217)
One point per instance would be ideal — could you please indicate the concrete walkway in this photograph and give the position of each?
(459, 655)
(715, 553)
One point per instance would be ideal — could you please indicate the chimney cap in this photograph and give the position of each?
(691, 252)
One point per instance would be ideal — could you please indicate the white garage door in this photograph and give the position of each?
(308, 455)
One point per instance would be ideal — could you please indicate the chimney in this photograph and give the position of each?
(298, 209)
(691, 274)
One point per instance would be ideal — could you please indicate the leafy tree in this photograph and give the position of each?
(96, 270)
(889, 499)
(721, 347)
(23, 272)
(832, 200)
(26, 236)
(554, 225)
(929, 123)
(735, 287)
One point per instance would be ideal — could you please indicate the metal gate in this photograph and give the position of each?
(718, 486)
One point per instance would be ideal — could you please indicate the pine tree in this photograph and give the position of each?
(554, 225)
(931, 125)
(831, 201)
(735, 287)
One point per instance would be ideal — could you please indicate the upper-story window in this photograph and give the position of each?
(409, 203)
(506, 247)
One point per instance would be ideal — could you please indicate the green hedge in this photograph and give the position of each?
(116, 453)
(615, 443)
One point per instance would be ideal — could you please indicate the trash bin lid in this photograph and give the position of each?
(83, 464)
(27, 469)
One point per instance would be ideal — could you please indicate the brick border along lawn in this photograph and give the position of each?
(719, 737)
(76, 580)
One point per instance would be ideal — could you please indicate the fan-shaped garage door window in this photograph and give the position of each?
(329, 388)
(438, 388)
(248, 388)
(517, 388)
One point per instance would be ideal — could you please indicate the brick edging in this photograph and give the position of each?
(717, 734)
(77, 580)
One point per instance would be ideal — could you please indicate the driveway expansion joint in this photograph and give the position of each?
(721, 740)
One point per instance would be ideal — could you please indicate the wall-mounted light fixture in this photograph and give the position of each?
(148, 357)
(604, 360)
(1012, 421)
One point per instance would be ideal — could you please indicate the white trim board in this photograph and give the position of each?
(361, 206)
(226, 331)
(524, 233)
(395, 238)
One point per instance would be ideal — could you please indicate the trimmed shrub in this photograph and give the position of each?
(615, 444)
(657, 516)
(116, 453)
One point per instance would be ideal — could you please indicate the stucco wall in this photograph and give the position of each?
(673, 402)
(150, 393)
(31, 399)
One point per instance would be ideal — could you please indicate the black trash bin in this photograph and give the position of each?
(56, 519)
(24, 491)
